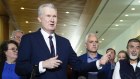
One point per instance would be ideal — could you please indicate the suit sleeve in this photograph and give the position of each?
(78, 65)
(23, 65)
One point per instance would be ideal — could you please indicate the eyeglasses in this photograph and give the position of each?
(13, 49)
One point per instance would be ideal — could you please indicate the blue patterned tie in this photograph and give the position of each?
(51, 46)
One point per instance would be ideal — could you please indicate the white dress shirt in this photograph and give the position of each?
(45, 36)
(116, 73)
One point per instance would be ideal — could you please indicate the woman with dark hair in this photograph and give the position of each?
(122, 55)
(8, 56)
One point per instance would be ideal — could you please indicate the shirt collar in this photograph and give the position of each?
(45, 34)
(97, 56)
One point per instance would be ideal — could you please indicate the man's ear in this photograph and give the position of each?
(86, 45)
(39, 19)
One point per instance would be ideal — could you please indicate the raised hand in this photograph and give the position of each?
(51, 63)
(105, 58)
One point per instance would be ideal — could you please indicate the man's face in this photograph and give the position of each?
(12, 52)
(18, 36)
(48, 19)
(121, 56)
(133, 50)
(92, 44)
(112, 54)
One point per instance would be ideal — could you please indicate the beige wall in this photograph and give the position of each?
(4, 25)
(4, 28)
(11, 28)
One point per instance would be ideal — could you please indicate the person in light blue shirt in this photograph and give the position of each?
(91, 55)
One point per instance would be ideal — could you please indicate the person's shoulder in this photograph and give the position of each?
(123, 61)
(31, 34)
(61, 37)
(83, 55)
(99, 54)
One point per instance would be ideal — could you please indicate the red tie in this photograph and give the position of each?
(51, 46)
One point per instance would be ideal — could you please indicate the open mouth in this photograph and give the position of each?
(52, 24)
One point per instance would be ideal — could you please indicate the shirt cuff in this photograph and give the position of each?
(41, 69)
(98, 65)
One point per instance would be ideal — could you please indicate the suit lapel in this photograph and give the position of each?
(58, 45)
(41, 42)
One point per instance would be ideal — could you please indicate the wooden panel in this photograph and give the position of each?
(4, 28)
(2, 9)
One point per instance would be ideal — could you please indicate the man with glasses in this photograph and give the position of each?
(8, 56)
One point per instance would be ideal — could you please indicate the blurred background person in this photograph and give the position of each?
(112, 57)
(122, 55)
(107, 71)
(8, 56)
(17, 35)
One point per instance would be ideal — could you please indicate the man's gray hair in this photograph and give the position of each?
(88, 35)
(14, 32)
(50, 5)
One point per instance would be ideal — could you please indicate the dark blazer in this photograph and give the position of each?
(83, 57)
(104, 73)
(1, 67)
(33, 49)
(127, 71)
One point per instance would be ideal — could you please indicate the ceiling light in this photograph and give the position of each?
(64, 25)
(81, 51)
(132, 8)
(139, 1)
(103, 39)
(26, 22)
(121, 20)
(22, 8)
(30, 31)
(100, 41)
(116, 25)
(126, 15)
(67, 12)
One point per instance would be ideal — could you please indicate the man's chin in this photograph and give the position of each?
(133, 57)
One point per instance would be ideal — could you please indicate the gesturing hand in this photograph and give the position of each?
(105, 59)
(51, 63)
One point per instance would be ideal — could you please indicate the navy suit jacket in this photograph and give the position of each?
(83, 58)
(104, 73)
(33, 49)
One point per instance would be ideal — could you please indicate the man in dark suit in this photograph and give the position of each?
(107, 71)
(91, 55)
(49, 52)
